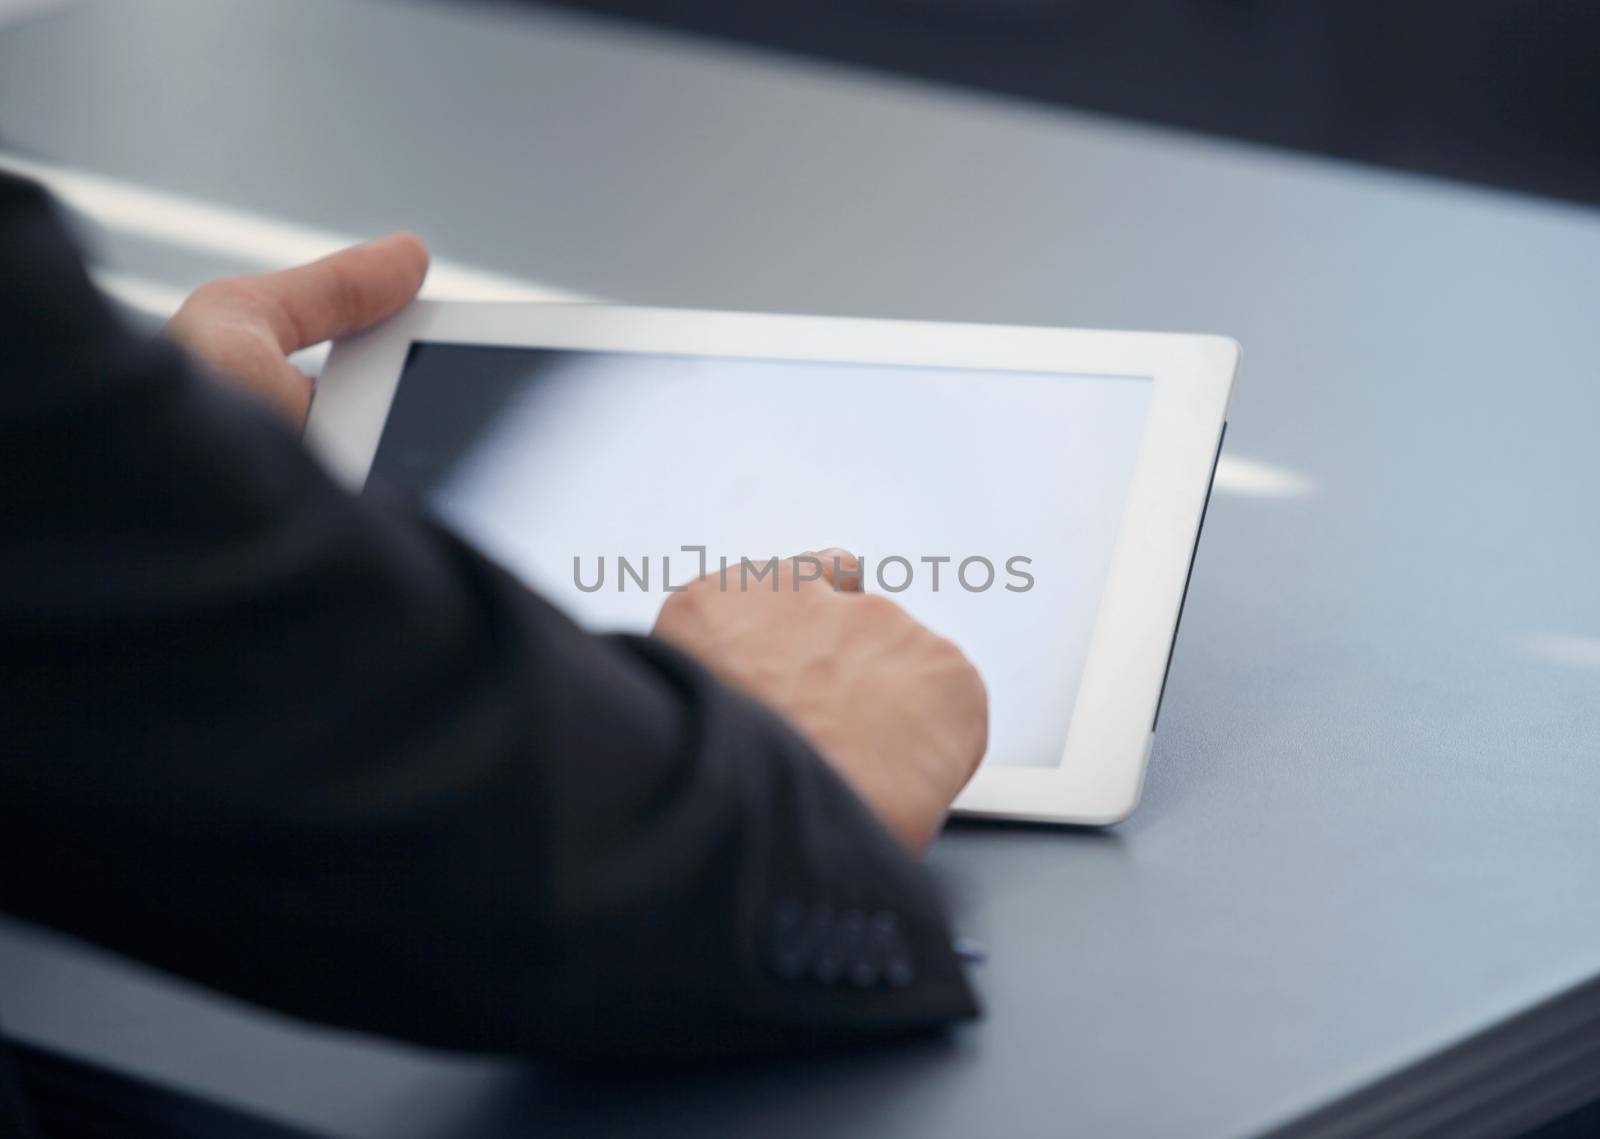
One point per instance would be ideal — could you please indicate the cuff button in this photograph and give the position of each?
(900, 972)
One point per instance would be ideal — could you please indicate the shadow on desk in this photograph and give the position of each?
(714, 1101)
(70, 1098)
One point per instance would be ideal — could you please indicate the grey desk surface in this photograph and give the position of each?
(1370, 826)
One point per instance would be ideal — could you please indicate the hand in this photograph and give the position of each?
(245, 327)
(898, 711)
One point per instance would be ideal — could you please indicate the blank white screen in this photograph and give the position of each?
(541, 456)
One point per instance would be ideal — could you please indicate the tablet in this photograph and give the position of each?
(1034, 494)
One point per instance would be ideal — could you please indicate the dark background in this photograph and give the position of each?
(1499, 92)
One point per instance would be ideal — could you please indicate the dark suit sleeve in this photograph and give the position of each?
(311, 749)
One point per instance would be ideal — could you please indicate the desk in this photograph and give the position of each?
(1370, 826)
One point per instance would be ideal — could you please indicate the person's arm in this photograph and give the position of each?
(311, 749)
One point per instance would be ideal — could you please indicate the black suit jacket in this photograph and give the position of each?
(313, 750)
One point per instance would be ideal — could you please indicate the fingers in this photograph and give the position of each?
(834, 567)
(341, 294)
(840, 568)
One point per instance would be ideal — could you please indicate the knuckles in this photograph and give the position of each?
(877, 607)
(680, 606)
(969, 694)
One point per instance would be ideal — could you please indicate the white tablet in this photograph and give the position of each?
(1034, 494)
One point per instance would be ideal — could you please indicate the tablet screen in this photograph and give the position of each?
(987, 503)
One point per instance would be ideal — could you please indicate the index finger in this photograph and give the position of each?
(840, 568)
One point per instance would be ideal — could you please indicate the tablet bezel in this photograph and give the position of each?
(1101, 771)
